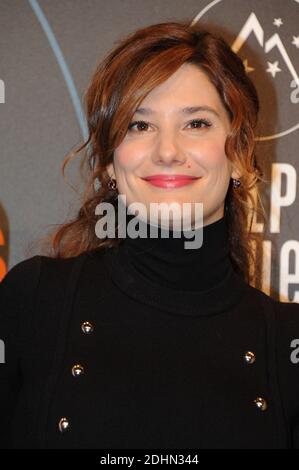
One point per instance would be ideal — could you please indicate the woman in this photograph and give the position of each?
(138, 342)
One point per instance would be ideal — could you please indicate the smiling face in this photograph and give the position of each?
(170, 141)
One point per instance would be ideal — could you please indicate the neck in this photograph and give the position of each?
(167, 262)
(161, 273)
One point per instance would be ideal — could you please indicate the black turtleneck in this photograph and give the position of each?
(167, 262)
(163, 273)
(126, 356)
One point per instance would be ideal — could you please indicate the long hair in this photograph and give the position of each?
(137, 64)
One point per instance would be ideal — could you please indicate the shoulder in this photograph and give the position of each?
(281, 317)
(21, 273)
(18, 284)
(287, 325)
(285, 315)
(38, 276)
(281, 312)
(286, 312)
(27, 274)
(44, 274)
(285, 319)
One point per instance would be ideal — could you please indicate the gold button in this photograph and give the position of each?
(63, 425)
(261, 404)
(77, 370)
(250, 357)
(87, 327)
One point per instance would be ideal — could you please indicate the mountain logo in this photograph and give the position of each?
(272, 56)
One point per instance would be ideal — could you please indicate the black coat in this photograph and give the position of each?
(124, 373)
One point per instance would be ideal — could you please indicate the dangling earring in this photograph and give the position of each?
(112, 184)
(236, 183)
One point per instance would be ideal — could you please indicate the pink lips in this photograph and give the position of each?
(170, 181)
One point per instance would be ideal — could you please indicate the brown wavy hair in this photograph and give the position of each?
(137, 64)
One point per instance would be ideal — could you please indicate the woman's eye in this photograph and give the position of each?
(201, 121)
(142, 125)
(137, 123)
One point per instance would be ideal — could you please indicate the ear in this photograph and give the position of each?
(110, 170)
(236, 174)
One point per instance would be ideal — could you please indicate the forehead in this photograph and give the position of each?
(190, 87)
(188, 81)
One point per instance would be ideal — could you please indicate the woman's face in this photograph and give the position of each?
(169, 141)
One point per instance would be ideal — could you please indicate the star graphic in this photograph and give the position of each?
(278, 22)
(273, 68)
(296, 40)
(247, 68)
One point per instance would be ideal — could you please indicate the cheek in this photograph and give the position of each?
(128, 156)
(212, 155)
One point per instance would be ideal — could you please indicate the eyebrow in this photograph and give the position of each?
(187, 110)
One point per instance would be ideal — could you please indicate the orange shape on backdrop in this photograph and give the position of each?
(3, 268)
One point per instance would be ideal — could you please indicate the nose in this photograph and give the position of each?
(167, 152)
